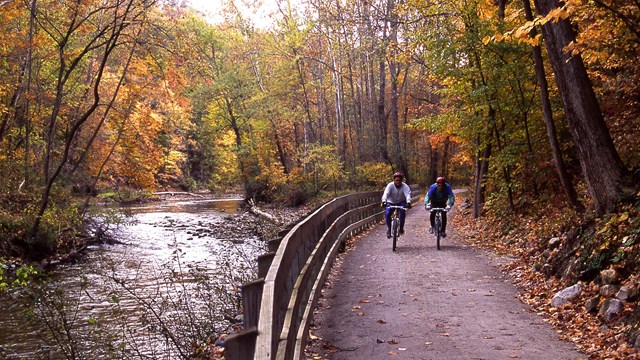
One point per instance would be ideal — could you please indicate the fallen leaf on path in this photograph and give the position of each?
(402, 349)
(514, 356)
(364, 301)
(381, 321)
(393, 353)
(428, 343)
(444, 334)
(489, 337)
(379, 341)
(356, 307)
(360, 313)
(392, 341)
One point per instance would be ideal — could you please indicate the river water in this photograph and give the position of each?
(173, 280)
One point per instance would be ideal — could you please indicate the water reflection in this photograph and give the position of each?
(173, 270)
(192, 206)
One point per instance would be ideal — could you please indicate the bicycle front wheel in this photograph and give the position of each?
(394, 232)
(438, 230)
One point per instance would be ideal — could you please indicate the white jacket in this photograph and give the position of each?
(395, 194)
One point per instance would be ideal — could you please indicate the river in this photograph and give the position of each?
(174, 279)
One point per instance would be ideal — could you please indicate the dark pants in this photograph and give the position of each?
(444, 214)
(388, 211)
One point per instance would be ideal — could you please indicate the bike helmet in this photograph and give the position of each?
(440, 180)
(398, 174)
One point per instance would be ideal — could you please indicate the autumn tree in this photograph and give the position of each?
(607, 177)
(547, 111)
(608, 41)
(86, 39)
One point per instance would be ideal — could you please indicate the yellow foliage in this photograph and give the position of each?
(226, 158)
(378, 173)
(273, 176)
(138, 156)
(514, 15)
(558, 14)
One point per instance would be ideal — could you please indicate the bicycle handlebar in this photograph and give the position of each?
(397, 207)
(438, 209)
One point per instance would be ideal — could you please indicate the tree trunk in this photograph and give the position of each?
(561, 168)
(394, 71)
(355, 134)
(608, 180)
(67, 65)
(382, 58)
(445, 157)
(433, 169)
(505, 169)
(482, 166)
(382, 119)
(27, 105)
(309, 132)
(279, 148)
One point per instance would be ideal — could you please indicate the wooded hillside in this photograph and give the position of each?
(116, 99)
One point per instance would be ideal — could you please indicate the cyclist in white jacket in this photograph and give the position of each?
(396, 193)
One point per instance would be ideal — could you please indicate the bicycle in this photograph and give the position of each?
(437, 224)
(395, 223)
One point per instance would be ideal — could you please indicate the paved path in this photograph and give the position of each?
(421, 303)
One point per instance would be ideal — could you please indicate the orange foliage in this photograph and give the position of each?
(138, 157)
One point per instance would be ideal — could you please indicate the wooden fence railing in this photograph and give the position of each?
(278, 306)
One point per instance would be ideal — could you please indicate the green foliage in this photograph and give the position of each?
(170, 174)
(13, 227)
(321, 170)
(270, 181)
(321, 167)
(25, 275)
(60, 222)
(373, 174)
(3, 279)
(273, 185)
(295, 193)
(611, 240)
